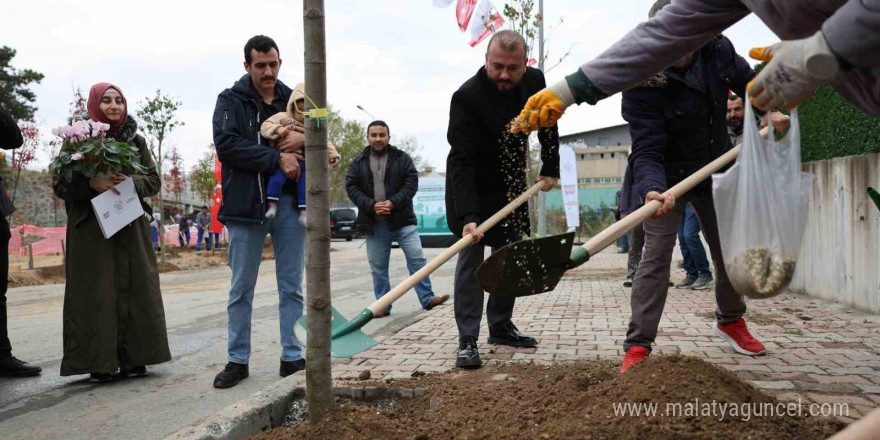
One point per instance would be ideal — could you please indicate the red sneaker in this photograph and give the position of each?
(634, 355)
(739, 337)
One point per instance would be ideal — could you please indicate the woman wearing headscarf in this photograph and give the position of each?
(114, 321)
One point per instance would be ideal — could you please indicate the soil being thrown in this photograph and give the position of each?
(566, 401)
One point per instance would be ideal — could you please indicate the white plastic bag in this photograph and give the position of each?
(761, 203)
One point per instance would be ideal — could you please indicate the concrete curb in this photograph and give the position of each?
(263, 410)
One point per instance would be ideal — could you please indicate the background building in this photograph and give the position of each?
(601, 156)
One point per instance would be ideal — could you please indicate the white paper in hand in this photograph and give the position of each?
(114, 211)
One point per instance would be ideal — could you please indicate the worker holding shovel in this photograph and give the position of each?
(678, 124)
(486, 169)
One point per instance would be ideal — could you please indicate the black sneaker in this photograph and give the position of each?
(468, 356)
(14, 367)
(628, 282)
(688, 282)
(703, 283)
(510, 335)
(290, 367)
(231, 375)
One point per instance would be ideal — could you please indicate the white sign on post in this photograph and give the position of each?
(569, 180)
(115, 211)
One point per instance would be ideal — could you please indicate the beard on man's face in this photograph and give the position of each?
(735, 123)
(499, 83)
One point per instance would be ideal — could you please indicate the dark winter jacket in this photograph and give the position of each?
(486, 165)
(401, 185)
(629, 200)
(246, 157)
(679, 125)
(10, 137)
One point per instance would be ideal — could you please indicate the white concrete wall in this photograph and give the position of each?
(840, 254)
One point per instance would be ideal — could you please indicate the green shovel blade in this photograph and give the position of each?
(527, 267)
(346, 339)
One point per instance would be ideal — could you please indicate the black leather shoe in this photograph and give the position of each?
(14, 367)
(133, 372)
(468, 356)
(290, 367)
(100, 377)
(231, 375)
(510, 335)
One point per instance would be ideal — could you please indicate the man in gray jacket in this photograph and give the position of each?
(203, 222)
(832, 42)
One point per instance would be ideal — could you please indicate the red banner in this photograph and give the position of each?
(463, 11)
(217, 197)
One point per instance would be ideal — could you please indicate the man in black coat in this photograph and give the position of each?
(485, 171)
(382, 181)
(10, 137)
(677, 120)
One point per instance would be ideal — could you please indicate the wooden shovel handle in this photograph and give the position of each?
(444, 256)
(612, 233)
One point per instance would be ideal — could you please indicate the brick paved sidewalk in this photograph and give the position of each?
(818, 351)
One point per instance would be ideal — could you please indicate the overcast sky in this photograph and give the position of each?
(400, 60)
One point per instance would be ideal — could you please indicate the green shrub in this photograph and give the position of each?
(832, 127)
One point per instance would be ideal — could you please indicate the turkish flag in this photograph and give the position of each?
(217, 197)
(463, 11)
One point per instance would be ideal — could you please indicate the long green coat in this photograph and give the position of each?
(113, 313)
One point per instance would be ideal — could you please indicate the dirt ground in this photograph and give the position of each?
(49, 269)
(565, 401)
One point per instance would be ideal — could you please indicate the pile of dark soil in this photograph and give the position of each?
(568, 401)
(168, 267)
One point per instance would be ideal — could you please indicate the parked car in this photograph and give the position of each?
(343, 223)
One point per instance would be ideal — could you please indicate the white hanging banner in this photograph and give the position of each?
(569, 181)
(485, 20)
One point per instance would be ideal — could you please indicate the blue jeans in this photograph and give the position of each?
(695, 262)
(207, 241)
(277, 181)
(379, 252)
(183, 236)
(245, 252)
(155, 233)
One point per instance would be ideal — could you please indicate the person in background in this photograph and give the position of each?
(203, 222)
(623, 241)
(155, 228)
(10, 366)
(382, 181)
(735, 115)
(696, 265)
(114, 319)
(182, 228)
(636, 236)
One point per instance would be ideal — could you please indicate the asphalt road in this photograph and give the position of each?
(178, 393)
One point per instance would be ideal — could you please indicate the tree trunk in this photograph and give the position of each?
(161, 202)
(319, 384)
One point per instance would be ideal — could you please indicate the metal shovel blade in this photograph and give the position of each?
(344, 341)
(527, 267)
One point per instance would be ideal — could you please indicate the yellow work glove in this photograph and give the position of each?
(794, 69)
(544, 108)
